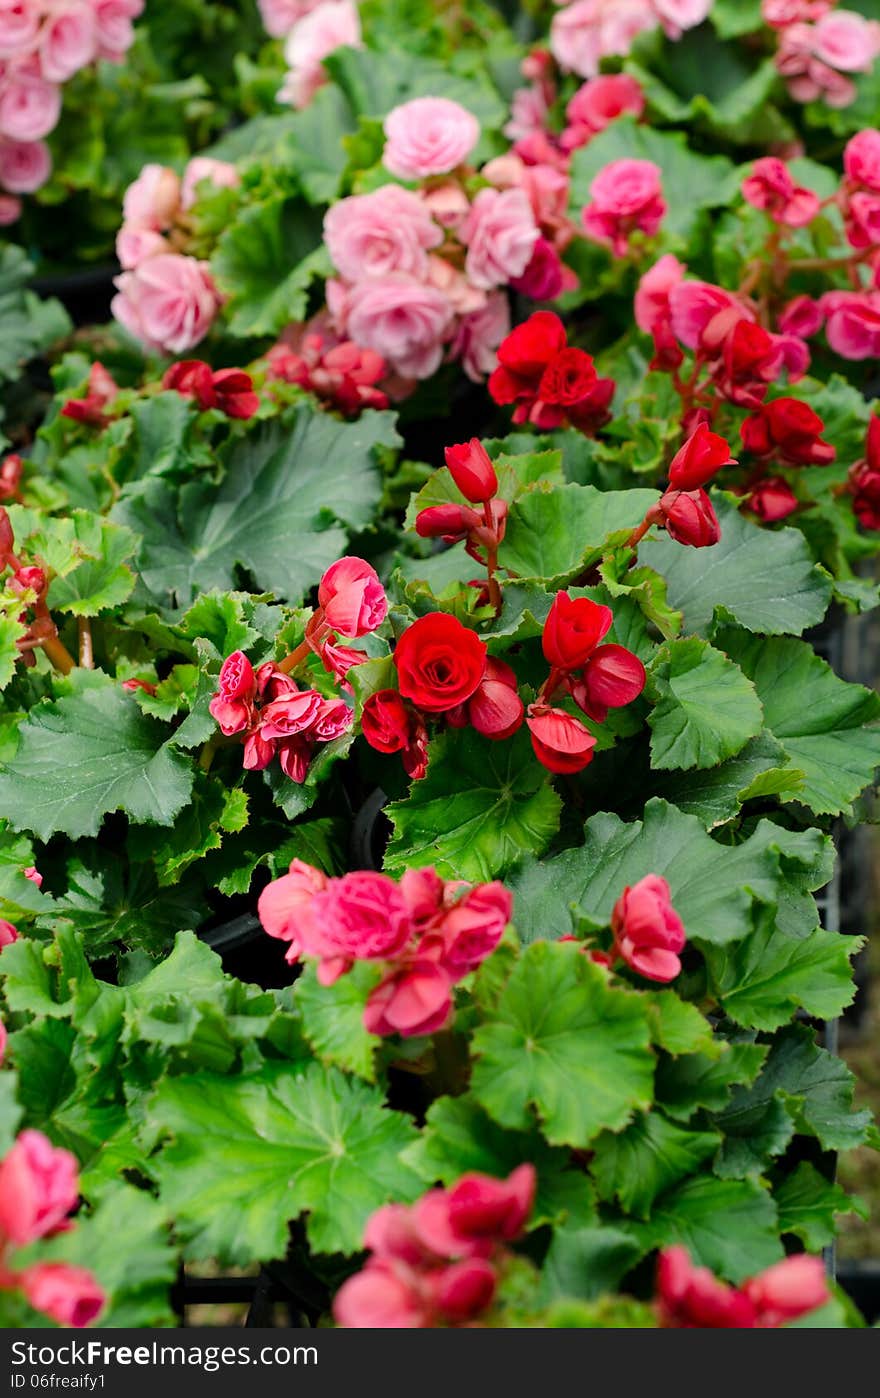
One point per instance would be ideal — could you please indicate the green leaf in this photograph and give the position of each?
(88, 753)
(765, 579)
(11, 632)
(734, 17)
(762, 979)
(249, 1154)
(587, 1262)
(759, 771)
(705, 710)
(819, 719)
(678, 1026)
(729, 1226)
(696, 1080)
(273, 513)
(754, 1133)
(84, 552)
(29, 324)
(564, 1044)
(712, 885)
(213, 810)
(555, 532)
(333, 1018)
(10, 1111)
(808, 1205)
(480, 807)
(265, 262)
(646, 1159)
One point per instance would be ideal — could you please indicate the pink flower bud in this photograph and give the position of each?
(380, 1297)
(38, 1188)
(232, 705)
(8, 933)
(465, 1289)
(648, 933)
(352, 598)
(690, 1298)
(789, 1289)
(10, 476)
(69, 1295)
(689, 517)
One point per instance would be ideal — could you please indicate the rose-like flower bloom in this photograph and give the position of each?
(846, 41)
(352, 598)
(770, 187)
(573, 629)
(385, 722)
(652, 309)
(169, 302)
(690, 1298)
(290, 715)
(790, 428)
(703, 454)
(220, 173)
(153, 200)
(439, 662)
(545, 276)
(470, 467)
(380, 1298)
(568, 378)
(689, 517)
(448, 522)
(24, 165)
(69, 1295)
(362, 916)
(853, 323)
(403, 320)
(114, 31)
(771, 499)
(802, 316)
(284, 904)
(787, 1290)
(625, 196)
(599, 102)
(331, 25)
(29, 106)
(861, 159)
(414, 1000)
(500, 233)
(38, 1188)
(390, 230)
(102, 390)
(648, 933)
(589, 30)
(561, 743)
(612, 678)
(695, 306)
(528, 350)
(8, 933)
(68, 40)
(864, 480)
(428, 136)
(472, 929)
(19, 27)
(232, 705)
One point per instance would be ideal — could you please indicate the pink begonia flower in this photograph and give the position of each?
(802, 316)
(33, 873)
(770, 187)
(852, 323)
(596, 104)
(232, 705)
(10, 209)
(283, 904)
(401, 319)
(528, 112)
(8, 933)
(414, 1000)
(279, 16)
(38, 1188)
(334, 24)
(648, 933)
(678, 15)
(463, 297)
(168, 303)
(67, 1294)
(846, 41)
(135, 245)
(781, 13)
(153, 199)
(625, 196)
(19, 27)
(545, 276)
(863, 219)
(68, 40)
(500, 233)
(861, 159)
(24, 166)
(428, 136)
(29, 106)
(479, 334)
(652, 308)
(352, 598)
(380, 1297)
(114, 28)
(694, 305)
(390, 230)
(473, 927)
(363, 916)
(590, 30)
(221, 173)
(447, 204)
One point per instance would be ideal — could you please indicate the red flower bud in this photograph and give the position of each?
(648, 933)
(235, 394)
(464, 1289)
(192, 378)
(791, 428)
(7, 538)
(561, 743)
(439, 662)
(696, 462)
(31, 578)
(10, 476)
(690, 518)
(495, 710)
(612, 677)
(448, 522)
(90, 410)
(472, 471)
(772, 499)
(573, 629)
(385, 721)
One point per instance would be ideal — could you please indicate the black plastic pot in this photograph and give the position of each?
(86, 295)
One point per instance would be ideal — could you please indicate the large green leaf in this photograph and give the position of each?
(764, 579)
(762, 769)
(565, 1045)
(729, 1226)
(712, 885)
(646, 1159)
(587, 1262)
(481, 807)
(265, 262)
(696, 1080)
(333, 1018)
(87, 753)
(555, 532)
(808, 1204)
(819, 719)
(705, 710)
(29, 324)
(249, 1154)
(292, 490)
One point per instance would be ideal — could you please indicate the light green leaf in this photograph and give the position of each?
(556, 532)
(759, 771)
(705, 710)
(333, 1018)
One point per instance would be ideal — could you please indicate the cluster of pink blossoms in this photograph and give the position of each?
(339, 372)
(42, 45)
(691, 1298)
(166, 299)
(586, 31)
(38, 1189)
(317, 31)
(596, 104)
(273, 715)
(426, 933)
(421, 273)
(819, 46)
(437, 1262)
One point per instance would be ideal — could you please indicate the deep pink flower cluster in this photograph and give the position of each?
(437, 1262)
(339, 372)
(586, 31)
(626, 197)
(819, 46)
(166, 299)
(691, 1298)
(647, 932)
(101, 392)
(428, 935)
(42, 46)
(273, 715)
(863, 482)
(38, 1189)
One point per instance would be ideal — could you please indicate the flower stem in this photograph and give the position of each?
(86, 649)
(59, 654)
(296, 657)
